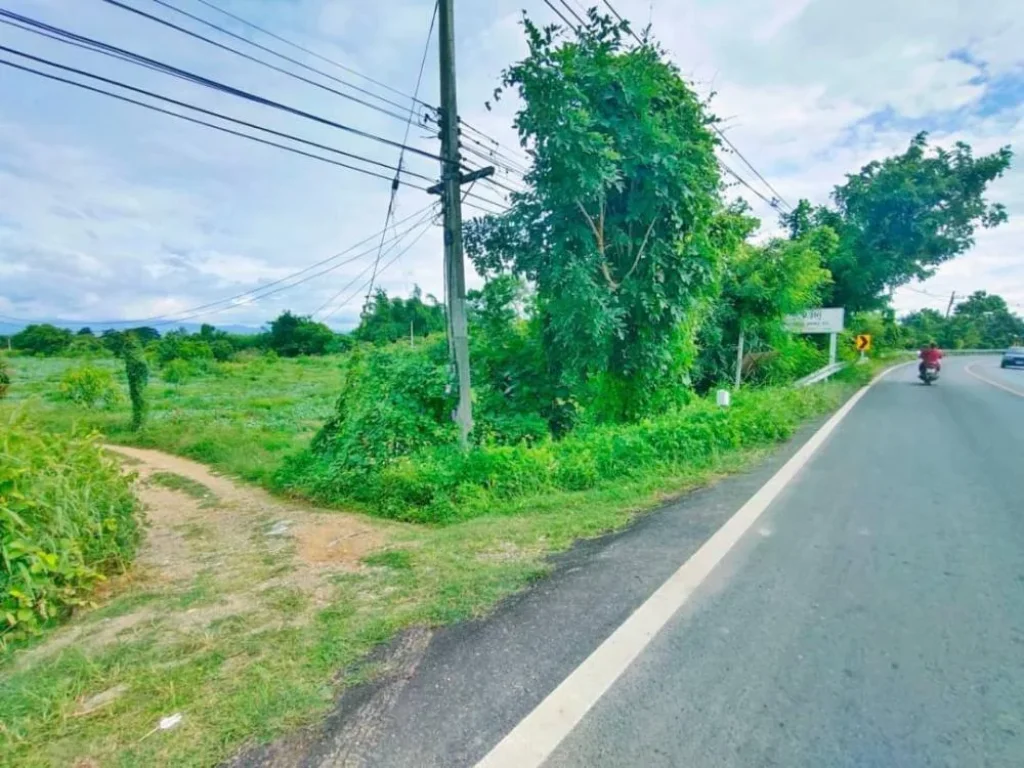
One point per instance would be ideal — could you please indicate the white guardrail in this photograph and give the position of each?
(820, 375)
(830, 370)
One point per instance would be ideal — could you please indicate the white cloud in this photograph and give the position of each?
(107, 210)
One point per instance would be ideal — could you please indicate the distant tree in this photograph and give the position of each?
(86, 331)
(293, 335)
(145, 334)
(386, 320)
(982, 321)
(899, 218)
(179, 345)
(42, 339)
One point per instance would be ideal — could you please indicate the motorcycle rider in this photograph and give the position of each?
(930, 357)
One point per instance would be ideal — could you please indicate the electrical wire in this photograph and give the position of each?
(558, 13)
(383, 269)
(265, 294)
(750, 165)
(215, 85)
(237, 299)
(424, 222)
(405, 140)
(572, 11)
(194, 120)
(623, 21)
(201, 110)
(316, 55)
(248, 57)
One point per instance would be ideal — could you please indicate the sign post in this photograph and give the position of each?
(863, 344)
(826, 320)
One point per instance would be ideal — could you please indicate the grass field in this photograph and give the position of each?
(249, 636)
(240, 419)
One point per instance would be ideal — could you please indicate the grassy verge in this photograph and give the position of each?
(256, 668)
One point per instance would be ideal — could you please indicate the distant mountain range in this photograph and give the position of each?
(7, 328)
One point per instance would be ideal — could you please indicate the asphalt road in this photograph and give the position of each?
(873, 616)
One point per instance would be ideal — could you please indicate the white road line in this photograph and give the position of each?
(531, 742)
(979, 377)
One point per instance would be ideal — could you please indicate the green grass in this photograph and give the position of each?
(278, 662)
(241, 419)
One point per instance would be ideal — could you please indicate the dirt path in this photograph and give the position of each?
(324, 540)
(216, 549)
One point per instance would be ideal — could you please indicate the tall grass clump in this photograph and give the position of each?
(68, 518)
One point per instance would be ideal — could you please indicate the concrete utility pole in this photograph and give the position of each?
(451, 181)
(949, 307)
(454, 272)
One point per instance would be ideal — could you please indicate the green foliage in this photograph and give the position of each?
(759, 287)
(614, 229)
(67, 518)
(982, 321)
(292, 335)
(177, 371)
(43, 339)
(88, 386)
(392, 402)
(222, 350)
(899, 218)
(5, 377)
(387, 320)
(137, 371)
(179, 345)
(441, 484)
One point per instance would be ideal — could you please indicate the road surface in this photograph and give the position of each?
(875, 616)
(871, 615)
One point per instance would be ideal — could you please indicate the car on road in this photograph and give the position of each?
(1013, 358)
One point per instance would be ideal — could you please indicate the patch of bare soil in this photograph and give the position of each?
(208, 560)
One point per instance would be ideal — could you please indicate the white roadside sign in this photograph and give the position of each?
(828, 320)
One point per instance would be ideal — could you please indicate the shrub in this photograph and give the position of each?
(177, 372)
(5, 377)
(222, 350)
(439, 483)
(67, 518)
(89, 386)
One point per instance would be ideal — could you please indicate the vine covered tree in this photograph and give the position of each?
(615, 228)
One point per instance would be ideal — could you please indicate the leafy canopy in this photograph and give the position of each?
(899, 218)
(614, 230)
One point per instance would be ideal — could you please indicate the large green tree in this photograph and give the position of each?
(388, 319)
(292, 335)
(42, 339)
(615, 228)
(899, 218)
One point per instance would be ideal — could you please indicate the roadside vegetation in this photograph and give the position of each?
(616, 289)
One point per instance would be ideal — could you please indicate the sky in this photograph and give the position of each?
(112, 212)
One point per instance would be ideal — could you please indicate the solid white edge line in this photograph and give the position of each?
(537, 735)
(971, 372)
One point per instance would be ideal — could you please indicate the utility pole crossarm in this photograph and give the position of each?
(466, 178)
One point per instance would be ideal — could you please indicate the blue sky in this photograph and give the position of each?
(108, 211)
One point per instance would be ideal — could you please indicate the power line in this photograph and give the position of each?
(254, 59)
(401, 154)
(558, 13)
(194, 120)
(572, 11)
(746, 184)
(315, 55)
(216, 85)
(236, 300)
(265, 294)
(423, 222)
(201, 110)
(716, 129)
(750, 165)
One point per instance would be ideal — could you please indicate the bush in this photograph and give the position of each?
(89, 386)
(67, 519)
(222, 350)
(439, 483)
(5, 378)
(177, 372)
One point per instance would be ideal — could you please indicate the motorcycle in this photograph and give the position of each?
(928, 374)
